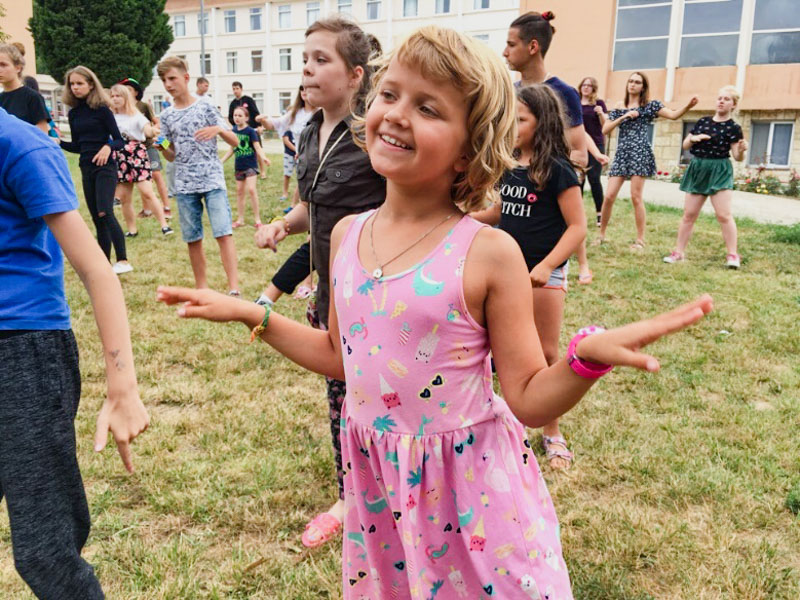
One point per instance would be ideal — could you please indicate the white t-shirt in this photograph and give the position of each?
(281, 124)
(131, 127)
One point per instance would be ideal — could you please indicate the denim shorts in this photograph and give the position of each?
(288, 164)
(155, 159)
(190, 209)
(558, 278)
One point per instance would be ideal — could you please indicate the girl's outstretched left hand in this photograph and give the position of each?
(620, 346)
(203, 304)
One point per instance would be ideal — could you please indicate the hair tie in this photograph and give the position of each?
(548, 15)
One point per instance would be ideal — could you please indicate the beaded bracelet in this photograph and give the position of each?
(585, 368)
(259, 329)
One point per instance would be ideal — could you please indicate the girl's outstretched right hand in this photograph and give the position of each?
(203, 304)
(620, 346)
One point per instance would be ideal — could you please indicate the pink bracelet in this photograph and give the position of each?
(585, 368)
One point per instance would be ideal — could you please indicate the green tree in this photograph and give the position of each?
(114, 38)
(3, 36)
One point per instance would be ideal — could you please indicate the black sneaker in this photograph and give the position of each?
(131, 234)
(167, 230)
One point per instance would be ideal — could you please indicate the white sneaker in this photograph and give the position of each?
(733, 261)
(119, 268)
(674, 257)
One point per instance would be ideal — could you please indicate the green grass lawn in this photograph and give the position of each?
(681, 481)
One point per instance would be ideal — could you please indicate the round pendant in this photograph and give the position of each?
(377, 273)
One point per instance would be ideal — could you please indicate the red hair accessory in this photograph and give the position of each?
(548, 15)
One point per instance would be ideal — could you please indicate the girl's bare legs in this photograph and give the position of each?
(161, 186)
(250, 188)
(584, 272)
(239, 203)
(691, 209)
(548, 313)
(150, 201)
(286, 180)
(721, 201)
(614, 185)
(637, 188)
(125, 194)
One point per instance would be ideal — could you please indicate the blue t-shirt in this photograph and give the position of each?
(245, 152)
(290, 136)
(570, 99)
(34, 181)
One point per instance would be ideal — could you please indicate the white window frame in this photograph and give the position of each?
(284, 101)
(157, 100)
(253, 57)
(642, 39)
(439, 9)
(715, 34)
(284, 53)
(229, 18)
(483, 37)
(479, 4)
(232, 61)
(202, 24)
(378, 5)
(284, 11)
(755, 31)
(258, 98)
(257, 11)
(345, 7)
(415, 6)
(769, 164)
(311, 9)
(207, 64)
(182, 21)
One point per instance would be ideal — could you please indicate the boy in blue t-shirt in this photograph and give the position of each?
(39, 374)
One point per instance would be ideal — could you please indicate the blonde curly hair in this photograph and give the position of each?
(446, 56)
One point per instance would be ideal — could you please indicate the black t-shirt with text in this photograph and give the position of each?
(532, 216)
(26, 104)
(723, 134)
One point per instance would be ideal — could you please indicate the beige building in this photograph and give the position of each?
(260, 44)
(688, 47)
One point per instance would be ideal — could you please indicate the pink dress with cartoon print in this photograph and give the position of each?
(443, 495)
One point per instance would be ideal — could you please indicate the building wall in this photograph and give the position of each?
(390, 27)
(584, 45)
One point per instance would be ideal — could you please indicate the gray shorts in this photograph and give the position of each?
(289, 162)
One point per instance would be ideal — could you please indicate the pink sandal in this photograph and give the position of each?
(303, 292)
(552, 452)
(321, 529)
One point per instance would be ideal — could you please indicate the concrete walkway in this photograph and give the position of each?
(780, 210)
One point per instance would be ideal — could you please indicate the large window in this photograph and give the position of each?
(312, 12)
(285, 57)
(345, 7)
(255, 19)
(442, 6)
(230, 21)
(202, 23)
(257, 61)
(373, 10)
(258, 98)
(686, 156)
(231, 60)
(776, 32)
(284, 16)
(157, 100)
(480, 4)
(179, 25)
(642, 34)
(710, 32)
(284, 101)
(205, 63)
(409, 8)
(771, 143)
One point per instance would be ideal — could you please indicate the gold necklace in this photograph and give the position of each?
(377, 273)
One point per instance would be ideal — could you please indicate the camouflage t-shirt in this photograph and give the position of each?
(197, 164)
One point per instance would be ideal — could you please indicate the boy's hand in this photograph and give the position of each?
(620, 346)
(269, 236)
(207, 133)
(124, 414)
(203, 304)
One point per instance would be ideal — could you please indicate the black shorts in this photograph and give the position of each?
(296, 268)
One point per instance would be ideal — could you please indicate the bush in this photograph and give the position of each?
(787, 234)
(793, 185)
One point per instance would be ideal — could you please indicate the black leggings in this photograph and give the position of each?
(99, 184)
(296, 268)
(593, 175)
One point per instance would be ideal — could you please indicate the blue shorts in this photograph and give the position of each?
(558, 278)
(190, 209)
